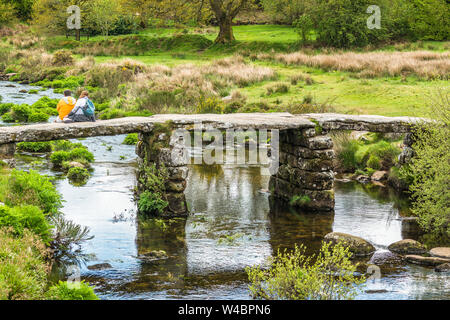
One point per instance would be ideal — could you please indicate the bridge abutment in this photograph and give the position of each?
(165, 149)
(305, 177)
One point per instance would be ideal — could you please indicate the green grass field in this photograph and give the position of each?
(347, 93)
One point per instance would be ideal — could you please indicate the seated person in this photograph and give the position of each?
(65, 105)
(84, 110)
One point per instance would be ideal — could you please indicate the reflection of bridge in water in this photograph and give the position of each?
(304, 151)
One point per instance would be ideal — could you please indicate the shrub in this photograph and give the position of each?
(26, 217)
(210, 105)
(430, 170)
(131, 139)
(38, 117)
(5, 107)
(152, 180)
(78, 175)
(58, 157)
(294, 276)
(65, 145)
(384, 150)
(80, 154)
(34, 146)
(23, 267)
(71, 291)
(62, 58)
(374, 162)
(21, 112)
(31, 188)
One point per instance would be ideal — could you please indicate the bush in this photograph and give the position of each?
(71, 291)
(294, 276)
(26, 217)
(34, 146)
(21, 112)
(78, 175)
(22, 187)
(210, 105)
(430, 170)
(5, 107)
(80, 154)
(62, 58)
(38, 117)
(374, 162)
(152, 180)
(23, 267)
(384, 150)
(131, 139)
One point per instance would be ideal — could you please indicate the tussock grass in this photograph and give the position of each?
(425, 64)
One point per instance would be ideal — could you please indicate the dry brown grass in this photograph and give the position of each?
(425, 64)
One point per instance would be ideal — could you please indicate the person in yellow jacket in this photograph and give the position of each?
(65, 105)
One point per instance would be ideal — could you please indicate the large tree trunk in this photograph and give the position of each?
(226, 31)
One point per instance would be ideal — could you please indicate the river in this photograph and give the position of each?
(225, 201)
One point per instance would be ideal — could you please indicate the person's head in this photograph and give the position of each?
(67, 93)
(84, 93)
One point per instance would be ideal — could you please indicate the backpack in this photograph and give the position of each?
(89, 108)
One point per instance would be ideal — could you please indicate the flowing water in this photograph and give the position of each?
(234, 224)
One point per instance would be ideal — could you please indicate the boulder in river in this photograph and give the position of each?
(23, 91)
(154, 255)
(75, 164)
(441, 252)
(100, 266)
(385, 258)
(445, 267)
(407, 246)
(358, 246)
(379, 176)
(425, 261)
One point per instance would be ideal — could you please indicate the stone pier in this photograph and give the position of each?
(166, 149)
(305, 176)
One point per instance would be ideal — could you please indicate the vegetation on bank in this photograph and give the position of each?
(295, 276)
(32, 235)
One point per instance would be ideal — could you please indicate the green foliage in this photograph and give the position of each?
(374, 162)
(152, 200)
(26, 217)
(22, 187)
(67, 234)
(62, 58)
(38, 117)
(5, 107)
(71, 291)
(80, 154)
(23, 267)
(430, 169)
(210, 105)
(304, 26)
(277, 88)
(131, 139)
(78, 176)
(347, 155)
(294, 276)
(385, 151)
(299, 200)
(34, 146)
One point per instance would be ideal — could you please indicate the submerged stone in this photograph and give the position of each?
(445, 267)
(358, 246)
(100, 266)
(425, 261)
(407, 246)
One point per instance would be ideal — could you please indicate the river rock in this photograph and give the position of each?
(407, 246)
(425, 261)
(10, 86)
(154, 255)
(75, 164)
(100, 266)
(23, 91)
(363, 179)
(445, 267)
(358, 246)
(379, 176)
(441, 252)
(385, 258)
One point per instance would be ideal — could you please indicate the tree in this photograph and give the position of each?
(104, 13)
(225, 11)
(23, 9)
(285, 11)
(6, 13)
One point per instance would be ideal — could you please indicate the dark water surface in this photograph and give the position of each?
(228, 202)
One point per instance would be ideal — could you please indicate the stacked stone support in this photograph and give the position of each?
(167, 149)
(305, 175)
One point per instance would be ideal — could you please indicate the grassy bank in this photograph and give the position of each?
(163, 70)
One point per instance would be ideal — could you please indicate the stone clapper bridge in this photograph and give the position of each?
(305, 150)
